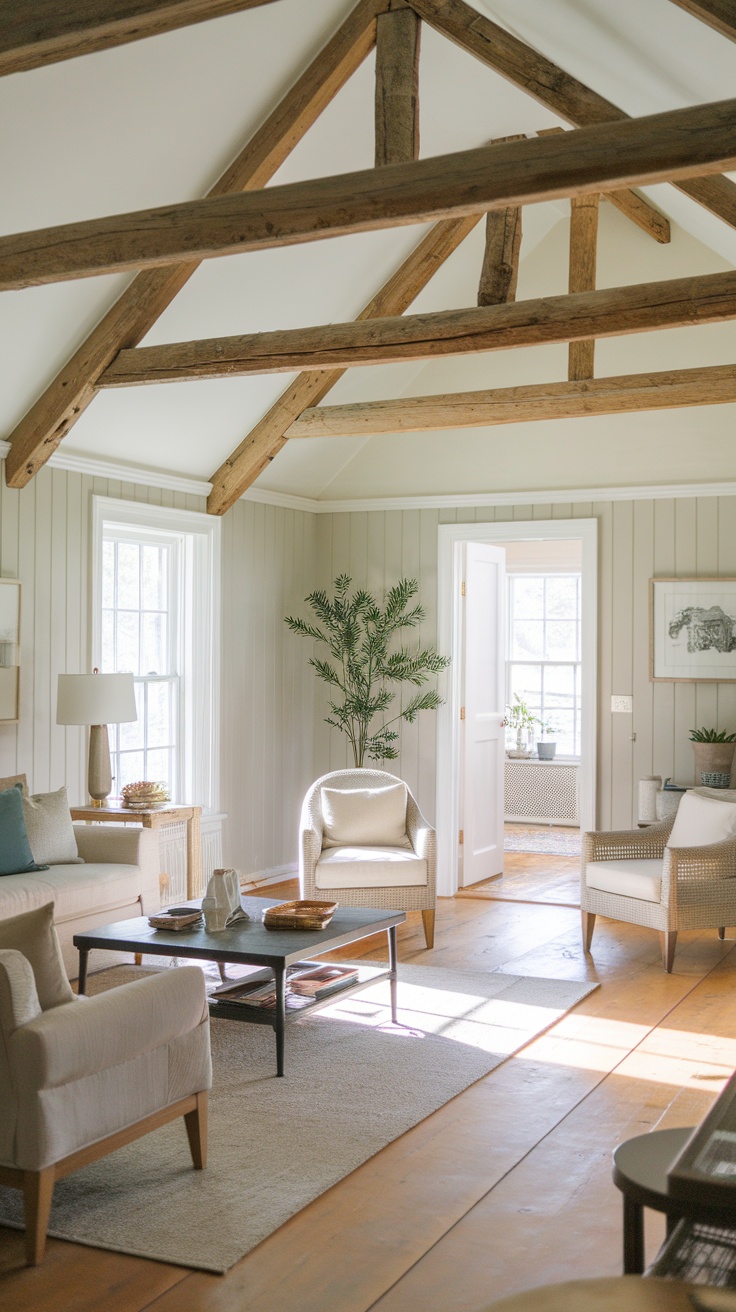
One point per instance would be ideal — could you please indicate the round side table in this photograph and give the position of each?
(640, 1167)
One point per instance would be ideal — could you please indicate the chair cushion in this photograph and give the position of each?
(15, 850)
(33, 935)
(640, 879)
(364, 816)
(365, 867)
(50, 829)
(702, 820)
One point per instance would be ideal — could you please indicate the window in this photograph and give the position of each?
(544, 658)
(156, 616)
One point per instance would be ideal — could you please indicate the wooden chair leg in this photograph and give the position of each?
(721, 932)
(138, 958)
(38, 1190)
(223, 972)
(668, 941)
(588, 918)
(196, 1123)
(428, 920)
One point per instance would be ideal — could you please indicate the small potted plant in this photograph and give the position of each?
(546, 750)
(714, 753)
(520, 718)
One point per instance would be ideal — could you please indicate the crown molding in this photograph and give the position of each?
(121, 472)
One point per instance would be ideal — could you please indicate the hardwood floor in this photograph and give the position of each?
(507, 1186)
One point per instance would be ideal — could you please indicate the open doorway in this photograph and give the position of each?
(518, 617)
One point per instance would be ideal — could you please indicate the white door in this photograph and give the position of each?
(483, 755)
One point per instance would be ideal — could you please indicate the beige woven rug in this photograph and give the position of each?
(353, 1084)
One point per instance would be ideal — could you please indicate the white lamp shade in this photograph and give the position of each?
(95, 699)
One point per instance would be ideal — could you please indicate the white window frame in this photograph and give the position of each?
(573, 758)
(198, 602)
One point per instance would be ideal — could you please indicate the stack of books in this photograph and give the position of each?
(305, 983)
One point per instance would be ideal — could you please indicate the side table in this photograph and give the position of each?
(640, 1167)
(165, 815)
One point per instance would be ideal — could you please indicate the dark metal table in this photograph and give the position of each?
(248, 942)
(640, 1167)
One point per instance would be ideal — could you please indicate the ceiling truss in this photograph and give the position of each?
(606, 153)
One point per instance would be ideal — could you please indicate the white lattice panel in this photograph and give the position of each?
(539, 790)
(172, 851)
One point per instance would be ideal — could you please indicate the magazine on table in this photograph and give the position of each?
(303, 985)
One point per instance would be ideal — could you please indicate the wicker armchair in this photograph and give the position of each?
(697, 885)
(419, 854)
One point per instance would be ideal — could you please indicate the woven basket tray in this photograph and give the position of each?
(299, 915)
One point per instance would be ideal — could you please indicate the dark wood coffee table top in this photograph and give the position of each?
(247, 941)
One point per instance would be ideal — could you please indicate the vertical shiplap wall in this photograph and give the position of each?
(266, 691)
(638, 540)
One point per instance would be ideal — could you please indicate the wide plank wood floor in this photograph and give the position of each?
(508, 1185)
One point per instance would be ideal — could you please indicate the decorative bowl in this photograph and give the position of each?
(715, 779)
(145, 795)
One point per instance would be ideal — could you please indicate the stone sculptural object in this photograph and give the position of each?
(221, 903)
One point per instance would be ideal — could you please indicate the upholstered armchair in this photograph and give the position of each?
(80, 1077)
(677, 874)
(364, 842)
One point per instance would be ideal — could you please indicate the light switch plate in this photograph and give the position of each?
(623, 705)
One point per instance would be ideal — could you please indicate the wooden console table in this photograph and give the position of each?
(165, 815)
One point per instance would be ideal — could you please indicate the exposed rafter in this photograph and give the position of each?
(715, 385)
(583, 248)
(552, 86)
(51, 417)
(676, 144)
(268, 437)
(370, 340)
(720, 14)
(397, 86)
(36, 32)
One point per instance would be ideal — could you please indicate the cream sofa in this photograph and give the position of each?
(119, 879)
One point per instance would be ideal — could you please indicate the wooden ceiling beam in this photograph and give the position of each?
(719, 14)
(56, 411)
(630, 203)
(552, 86)
(37, 32)
(371, 340)
(583, 249)
(499, 272)
(268, 436)
(397, 86)
(714, 385)
(675, 144)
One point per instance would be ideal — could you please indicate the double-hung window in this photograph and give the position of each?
(544, 653)
(156, 616)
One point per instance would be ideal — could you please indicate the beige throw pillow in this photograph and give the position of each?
(364, 817)
(33, 935)
(50, 829)
(702, 820)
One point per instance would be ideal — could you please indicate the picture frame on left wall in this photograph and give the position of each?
(9, 651)
(692, 630)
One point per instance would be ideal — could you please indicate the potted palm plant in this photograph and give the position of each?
(714, 753)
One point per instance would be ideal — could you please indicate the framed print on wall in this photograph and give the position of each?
(692, 630)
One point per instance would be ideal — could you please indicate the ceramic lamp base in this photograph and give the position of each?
(99, 775)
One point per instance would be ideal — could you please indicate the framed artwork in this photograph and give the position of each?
(692, 630)
(9, 650)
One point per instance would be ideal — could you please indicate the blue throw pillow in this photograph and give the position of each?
(16, 856)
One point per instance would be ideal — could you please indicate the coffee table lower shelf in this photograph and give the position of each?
(224, 1008)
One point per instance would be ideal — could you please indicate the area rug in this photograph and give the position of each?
(539, 839)
(354, 1083)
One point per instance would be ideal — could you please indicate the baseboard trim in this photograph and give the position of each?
(262, 878)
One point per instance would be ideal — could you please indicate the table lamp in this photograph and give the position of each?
(97, 700)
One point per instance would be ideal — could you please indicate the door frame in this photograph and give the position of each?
(450, 540)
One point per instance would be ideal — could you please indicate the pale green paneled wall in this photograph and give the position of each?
(266, 691)
(637, 540)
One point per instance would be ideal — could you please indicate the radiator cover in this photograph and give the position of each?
(541, 790)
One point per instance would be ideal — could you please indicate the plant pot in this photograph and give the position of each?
(546, 751)
(515, 755)
(713, 758)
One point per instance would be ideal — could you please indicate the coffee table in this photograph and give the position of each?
(248, 942)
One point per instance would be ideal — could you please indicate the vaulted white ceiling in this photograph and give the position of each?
(157, 121)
